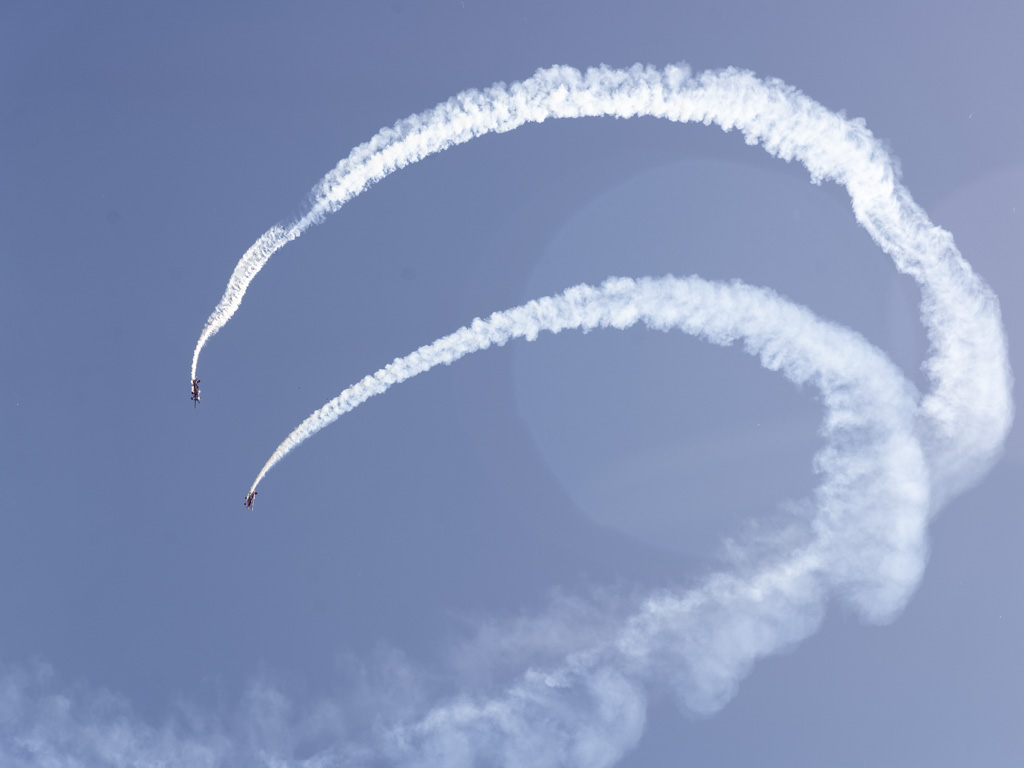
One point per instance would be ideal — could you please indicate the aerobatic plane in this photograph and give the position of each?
(249, 499)
(195, 392)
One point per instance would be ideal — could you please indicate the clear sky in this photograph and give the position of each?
(492, 517)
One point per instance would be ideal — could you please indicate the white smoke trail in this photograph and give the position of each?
(866, 539)
(969, 412)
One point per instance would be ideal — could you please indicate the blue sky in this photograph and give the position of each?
(488, 517)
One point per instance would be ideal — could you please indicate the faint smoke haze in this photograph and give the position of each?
(892, 457)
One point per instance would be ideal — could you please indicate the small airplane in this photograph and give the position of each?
(195, 392)
(249, 499)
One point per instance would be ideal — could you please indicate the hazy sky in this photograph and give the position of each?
(493, 517)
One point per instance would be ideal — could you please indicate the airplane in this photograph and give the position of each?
(249, 499)
(195, 392)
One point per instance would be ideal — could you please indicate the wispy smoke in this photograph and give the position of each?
(891, 457)
(865, 541)
(787, 124)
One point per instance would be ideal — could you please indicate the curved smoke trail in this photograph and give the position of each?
(865, 541)
(889, 461)
(960, 313)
